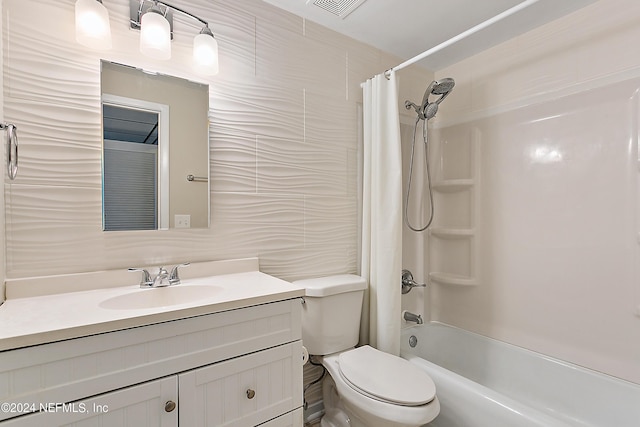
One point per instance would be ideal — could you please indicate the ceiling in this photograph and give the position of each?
(406, 28)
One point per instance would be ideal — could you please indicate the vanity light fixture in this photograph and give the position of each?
(155, 33)
(92, 24)
(155, 26)
(154, 19)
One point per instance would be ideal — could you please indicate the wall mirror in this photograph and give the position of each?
(155, 151)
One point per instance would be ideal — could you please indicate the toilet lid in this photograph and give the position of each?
(386, 377)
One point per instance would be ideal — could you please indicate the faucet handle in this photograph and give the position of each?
(174, 279)
(408, 283)
(146, 277)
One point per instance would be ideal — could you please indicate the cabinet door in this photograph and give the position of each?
(138, 406)
(245, 391)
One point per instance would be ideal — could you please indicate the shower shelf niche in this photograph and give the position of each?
(452, 185)
(453, 238)
(452, 233)
(452, 279)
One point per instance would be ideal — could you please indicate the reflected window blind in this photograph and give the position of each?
(129, 190)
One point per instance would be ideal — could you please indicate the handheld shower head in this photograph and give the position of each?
(430, 110)
(425, 97)
(443, 87)
(427, 110)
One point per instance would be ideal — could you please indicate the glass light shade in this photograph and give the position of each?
(92, 25)
(155, 36)
(205, 54)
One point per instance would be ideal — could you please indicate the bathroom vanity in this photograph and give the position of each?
(120, 357)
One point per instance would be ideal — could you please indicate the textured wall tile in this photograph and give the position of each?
(41, 60)
(235, 31)
(343, 224)
(51, 226)
(313, 261)
(258, 108)
(264, 222)
(283, 141)
(280, 47)
(361, 65)
(326, 59)
(59, 144)
(295, 167)
(233, 160)
(329, 120)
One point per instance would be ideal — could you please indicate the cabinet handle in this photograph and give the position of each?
(251, 394)
(169, 406)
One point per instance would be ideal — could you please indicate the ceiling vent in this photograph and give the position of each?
(339, 8)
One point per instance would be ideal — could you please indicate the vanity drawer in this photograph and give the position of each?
(140, 405)
(73, 369)
(245, 391)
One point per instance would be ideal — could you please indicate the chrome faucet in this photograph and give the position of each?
(174, 279)
(411, 317)
(162, 279)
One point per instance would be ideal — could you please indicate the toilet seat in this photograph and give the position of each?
(385, 377)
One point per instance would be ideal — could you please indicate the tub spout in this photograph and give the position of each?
(410, 317)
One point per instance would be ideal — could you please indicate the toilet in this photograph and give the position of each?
(365, 386)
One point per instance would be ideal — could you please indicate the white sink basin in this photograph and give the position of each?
(161, 297)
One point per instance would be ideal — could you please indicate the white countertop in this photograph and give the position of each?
(42, 319)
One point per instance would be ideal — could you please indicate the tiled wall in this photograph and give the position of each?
(284, 141)
(2, 161)
(555, 113)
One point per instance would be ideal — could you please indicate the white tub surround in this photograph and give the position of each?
(542, 131)
(482, 381)
(33, 315)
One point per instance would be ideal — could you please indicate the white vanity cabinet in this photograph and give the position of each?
(240, 367)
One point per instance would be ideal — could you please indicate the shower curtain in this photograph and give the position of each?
(381, 262)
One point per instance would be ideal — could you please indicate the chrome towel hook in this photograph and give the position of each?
(12, 149)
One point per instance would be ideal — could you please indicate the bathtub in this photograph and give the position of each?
(483, 382)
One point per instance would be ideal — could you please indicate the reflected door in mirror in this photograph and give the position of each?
(130, 168)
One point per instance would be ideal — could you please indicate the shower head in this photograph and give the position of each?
(438, 87)
(427, 110)
(430, 110)
(443, 87)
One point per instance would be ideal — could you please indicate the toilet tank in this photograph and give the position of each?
(331, 312)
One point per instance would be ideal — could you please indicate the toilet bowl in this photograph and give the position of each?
(365, 386)
(376, 389)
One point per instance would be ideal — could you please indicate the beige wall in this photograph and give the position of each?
(554, 114)
(283, 133)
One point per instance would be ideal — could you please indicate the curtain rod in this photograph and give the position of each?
(462, 35)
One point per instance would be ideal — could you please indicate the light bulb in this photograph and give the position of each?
(92, 24)
(155, 35)
(205, 53)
